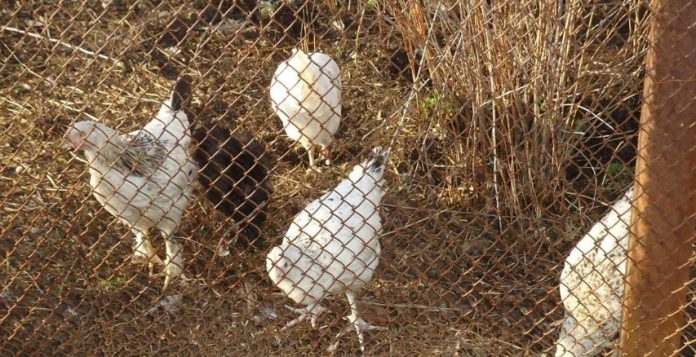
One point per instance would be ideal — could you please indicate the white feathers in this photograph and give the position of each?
(143, 178)
(332, 246)
(592, 284)
(306, 96)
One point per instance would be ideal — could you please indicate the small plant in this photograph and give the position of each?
(434, 105)
(372, 4)
(616, 171)
(430, 102)
(268, 8)
(112, 284)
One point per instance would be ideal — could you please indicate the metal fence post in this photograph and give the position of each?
(665, 208)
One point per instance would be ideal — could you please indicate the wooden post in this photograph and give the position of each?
(664, 211)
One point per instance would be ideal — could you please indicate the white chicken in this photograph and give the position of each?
(592, 284)
(332, 247)
(306, 96)
(143, 178)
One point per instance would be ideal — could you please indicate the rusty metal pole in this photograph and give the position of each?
(664, 211)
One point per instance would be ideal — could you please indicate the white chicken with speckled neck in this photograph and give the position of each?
(143, 178)
(306, 96)
(332, 247)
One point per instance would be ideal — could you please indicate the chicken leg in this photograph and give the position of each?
(174, 263)
(312, 162)
(145, 252)
(312, 311)
(358, 324)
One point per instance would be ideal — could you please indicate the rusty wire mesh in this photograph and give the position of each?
(512, 127)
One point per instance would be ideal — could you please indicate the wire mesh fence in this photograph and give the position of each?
(452, 177)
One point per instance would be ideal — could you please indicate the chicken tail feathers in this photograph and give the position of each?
(377, 159)
(301, 62)
(300, 58)
(234, 177)
(181, 93)
(171, 125)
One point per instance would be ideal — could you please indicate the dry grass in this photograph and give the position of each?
(503, 156)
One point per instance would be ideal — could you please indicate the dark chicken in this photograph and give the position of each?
(234, 175)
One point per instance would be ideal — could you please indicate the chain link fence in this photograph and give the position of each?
(508, 131)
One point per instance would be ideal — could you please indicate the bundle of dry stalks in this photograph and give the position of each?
(525, 85)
